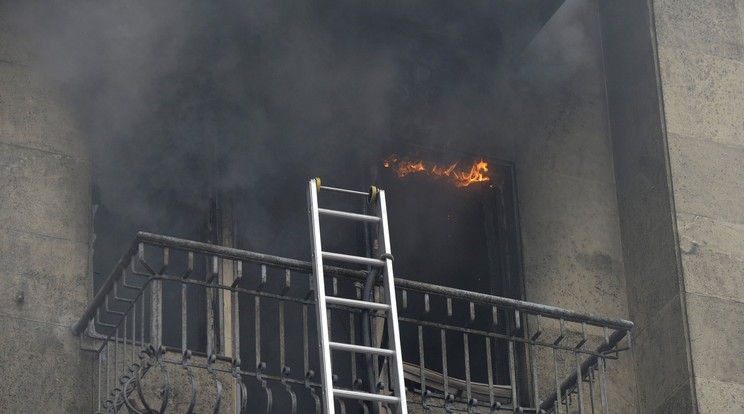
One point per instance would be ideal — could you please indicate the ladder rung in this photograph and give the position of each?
(351, 216)
(365, 396)
(354, 303)
(343, 190)
(353, 259)
(361, 349)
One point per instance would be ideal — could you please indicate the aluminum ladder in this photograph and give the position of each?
(392, 352)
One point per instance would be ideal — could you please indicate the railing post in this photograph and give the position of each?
(156, 315)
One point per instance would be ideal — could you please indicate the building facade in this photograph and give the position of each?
(628, 161)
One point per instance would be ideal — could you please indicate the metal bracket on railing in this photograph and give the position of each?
(192, 377)
(448, 400)
(218, 385)
(425, 401)
(242, 390)
(293, 398)
(357, 385)
(260, 367)
(308, 377)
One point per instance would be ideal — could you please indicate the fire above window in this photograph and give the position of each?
(403, 166)
(452, 220)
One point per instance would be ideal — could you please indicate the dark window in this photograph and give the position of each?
(460, 237)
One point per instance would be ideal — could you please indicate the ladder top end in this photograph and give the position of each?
(317, 184)
(372, 195)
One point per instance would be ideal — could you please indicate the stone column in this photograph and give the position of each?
(44, 239)
(701, 62)
(675, 79)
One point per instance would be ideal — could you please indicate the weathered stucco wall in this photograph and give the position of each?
(676, 91)
(655, 302)
(701, 61)
(571, 237)
(568, 208)
(44, 205)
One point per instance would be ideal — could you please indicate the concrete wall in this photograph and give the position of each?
(652, 270)
(569, 216)
(44, 205)
(676, 87)
(564, 171)
(701, 62)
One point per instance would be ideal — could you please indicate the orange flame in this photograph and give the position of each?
(404, 167)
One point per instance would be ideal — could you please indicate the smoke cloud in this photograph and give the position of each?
(183, 99)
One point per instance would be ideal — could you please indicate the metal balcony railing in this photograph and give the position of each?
(191, 327)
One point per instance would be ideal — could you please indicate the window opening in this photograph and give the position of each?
(460, 237)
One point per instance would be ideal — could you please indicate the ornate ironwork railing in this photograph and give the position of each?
(190, 327)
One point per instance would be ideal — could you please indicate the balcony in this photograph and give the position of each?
(184, 327)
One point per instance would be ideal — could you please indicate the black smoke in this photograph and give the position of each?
(182, 100)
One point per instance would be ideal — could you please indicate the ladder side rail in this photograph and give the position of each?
(396, 360)
(320, 303)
